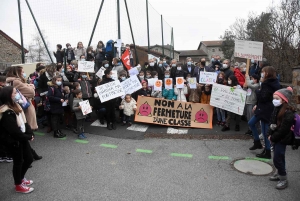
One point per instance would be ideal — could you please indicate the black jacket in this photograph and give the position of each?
(228, 72)
(106, 80)
(264, 96)
(59, 55)
(55, 95)
(144, 69)
(197, 71)
(186, 69)
(159, 71)
(282, 133)
(43, 83)
(70, 76)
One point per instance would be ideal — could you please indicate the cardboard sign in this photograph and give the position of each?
(86, 66)
(192, 82)
(85, 107)
(131, 85)
(173, 113)
(207, 77)
(133, 71)
(151, 81)
(168, 83)
(158, 85)
(248, 49)
(179, 82)
(227, 98)
(100, 73)
(114, 74)
(110, 91)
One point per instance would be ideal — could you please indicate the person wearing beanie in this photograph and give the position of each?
(280, 133)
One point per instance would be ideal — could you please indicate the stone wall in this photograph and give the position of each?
(9, 53)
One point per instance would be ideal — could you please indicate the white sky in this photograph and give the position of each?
(72, 20)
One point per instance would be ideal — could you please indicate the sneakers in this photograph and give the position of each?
(81, 136)
(75, 131)
(275, 177)
(9, 160)
(2, 159)
(22, 188)
(282, 183)
(27, 182)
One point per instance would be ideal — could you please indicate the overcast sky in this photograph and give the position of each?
(72, 20)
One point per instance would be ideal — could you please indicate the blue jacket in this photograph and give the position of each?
(169, 94)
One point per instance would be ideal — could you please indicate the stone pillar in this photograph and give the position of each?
(296, 86)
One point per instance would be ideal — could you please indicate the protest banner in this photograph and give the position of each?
(168, 83)
(192, 82)
(86, 66)
(207, 77)
(151, 81)
(110, 91)
(133, 71)
(114, 74)
(126, 59)
(85, 107)
(100, 73)
(248, 49)
(179, 82)
(228, 98)
(157, 85)
(173, 113)
(131, 85)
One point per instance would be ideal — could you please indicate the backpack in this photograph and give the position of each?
(47, 102)
(296, 130)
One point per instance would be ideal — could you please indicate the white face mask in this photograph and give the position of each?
(229, 81)
(276, 102)
(178, 68)
(262, 75)
(225, 65)
(151, 64)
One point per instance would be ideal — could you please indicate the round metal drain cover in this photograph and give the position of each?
(252, 167)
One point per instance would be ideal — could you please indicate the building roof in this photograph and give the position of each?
(187, 53)
(212, 43)
(12, 41)
(168, 47)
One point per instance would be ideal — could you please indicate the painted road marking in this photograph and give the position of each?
(82, 141)
(39, 133)
(177, 131)
(144, 151)
(219, 157)
(64, 138)
(97, 123)
(182, 155)
(258, 159)
(109, 146)
(138, 127)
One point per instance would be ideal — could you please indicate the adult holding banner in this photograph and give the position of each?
(263, 110)
(226, 69)
(201, 67)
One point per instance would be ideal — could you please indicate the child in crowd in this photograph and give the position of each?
(154, 74)
(169, 93)
(206, 93)
(128, 105)
(144, 91)
(141, 76)
(180, 93)
(156, 94)
(99, 106)
(67, 108)
(148, 75)
(220, 112)
(232, 82)
(79, 115)
(90, 54)
(194, 94)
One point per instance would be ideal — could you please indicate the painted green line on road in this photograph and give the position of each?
(144, 151)
(109, 146)
(182, 155)
(64, 138)
(39, 133)
(219, 157)
(82, 141)
(258, 159)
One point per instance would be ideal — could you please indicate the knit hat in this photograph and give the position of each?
(285, 94)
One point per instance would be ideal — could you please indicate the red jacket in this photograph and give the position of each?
(239, 76)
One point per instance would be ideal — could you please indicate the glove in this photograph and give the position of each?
(273, 127)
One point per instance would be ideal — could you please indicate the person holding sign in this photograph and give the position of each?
(157, 89)
(226, 69)
(194, 91)
(168, 92)
(238, 73)
(180, 89)
(221, 112)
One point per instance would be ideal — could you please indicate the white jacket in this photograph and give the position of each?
(128, 107)
(181, 93)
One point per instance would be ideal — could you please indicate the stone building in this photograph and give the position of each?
(195, 55)
(167, 48)
(10, 51)
(211, 48)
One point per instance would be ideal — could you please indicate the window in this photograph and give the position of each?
(213, 50)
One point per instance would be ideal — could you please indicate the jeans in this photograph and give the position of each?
(264, 129)
(80, 125)
(279, 158)
(221, 114)
(127, 119)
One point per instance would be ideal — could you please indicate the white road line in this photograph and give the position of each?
(177, 131)
(138, 127)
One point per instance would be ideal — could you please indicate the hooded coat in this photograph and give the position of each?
(55, 94)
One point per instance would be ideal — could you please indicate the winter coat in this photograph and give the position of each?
(181, 93)
(85, 87)
(156, 94)
(143, 92)
(43, 81)
(28, 91)
(59, 55)
(251, 95)
(195, 94)
(186, 69)
(90, 57)
(70, 76)
(159, 71)
(11, 132)
(197, 71)
(239, 76)
(282, 133)
(118, 68)
(76, 109)
(55, 94)
(144, 69)
(79, 52)
(100, 56)
(253, 69)
(169, 94)
(264, 96)
(128, 107)
(178, 73)
(71, 51)
(228, 72)
(205, 98)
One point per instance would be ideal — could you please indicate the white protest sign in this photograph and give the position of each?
(168, 83)
(110, 91)
(151, 81)
(227, 98)
(133, 71)
(179, 82)
(158, 85)
(192, 82)
(114, 74)
(100, 73)
(131, 85)
(85, 107)
(86, 66)
(207, 77)
(248, 49)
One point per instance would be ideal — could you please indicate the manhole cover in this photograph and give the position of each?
(252, 167)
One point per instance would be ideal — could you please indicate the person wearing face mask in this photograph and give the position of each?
(61, 71)
(226, 69)
(189, 67)
(173, 69)
(117, 65)
(56, 99)
(263, 110)
(261, 66)
(169, 93)
(179, 72)
(220, 112)
(238, 73)
(69, 53)
(201, 67)
(156, 68)
(147, 67)
(280, 134)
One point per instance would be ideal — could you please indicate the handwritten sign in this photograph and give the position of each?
(100, 73)
(131, 85)
(207, 77)
(114, 74)
(227, 98)
(173, 113)
(248, 49)
(179, 82)
(86, 66)
(133, 71)
(151, 81)
(110, 91)
(168, 83)
(85, 107)
(158, 85)
(192, 82)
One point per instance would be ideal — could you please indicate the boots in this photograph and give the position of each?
(35, 156)
(62, 134)
(283, 183)
(275, 177)
(257, 145)
(264, 154)
(114, 126)
(57, 135)
(109, 126)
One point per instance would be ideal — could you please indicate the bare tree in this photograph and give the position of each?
(37, 51)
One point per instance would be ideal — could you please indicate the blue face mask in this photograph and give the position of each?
(58, 83)
(173, 65)
(24, 75)
(189, 63)
(84, 76)
(62, 70)
(106, 65)
(167, 76)
(17, 97)
(123, 78)
(212, 60)
(160, 65)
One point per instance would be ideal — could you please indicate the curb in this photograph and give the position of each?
(199, 136)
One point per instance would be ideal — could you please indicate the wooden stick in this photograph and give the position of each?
(248, 66)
